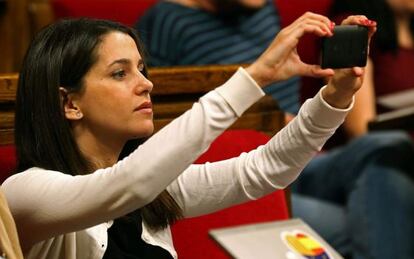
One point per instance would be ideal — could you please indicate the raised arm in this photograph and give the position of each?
(205, 188)
(356, 123)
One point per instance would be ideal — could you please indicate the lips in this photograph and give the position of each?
(145, 107)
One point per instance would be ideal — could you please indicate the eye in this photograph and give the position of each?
(119, 74)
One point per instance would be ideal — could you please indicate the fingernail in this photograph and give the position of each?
(365, 21)
(329, 33)
(368, 22)
(332, 26)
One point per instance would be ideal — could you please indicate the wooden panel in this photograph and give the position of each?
(167, 81)
(8, 86)
(6, 46)
(175, 90)
(6, 119)
(6, 136)
(20, 20)
(185, 79)
(15, 31)
(40, 14)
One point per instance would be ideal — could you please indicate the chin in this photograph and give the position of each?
(144, 132)
(147, 134)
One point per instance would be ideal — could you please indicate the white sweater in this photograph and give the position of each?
(64, 216)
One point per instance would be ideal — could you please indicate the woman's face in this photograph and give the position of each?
(115, 100)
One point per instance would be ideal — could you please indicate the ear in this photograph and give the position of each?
(71, 109)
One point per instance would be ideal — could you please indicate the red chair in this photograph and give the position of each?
(124, 11)
(191, 235)
(7, 161)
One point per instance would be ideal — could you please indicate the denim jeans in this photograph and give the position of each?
(360, 197)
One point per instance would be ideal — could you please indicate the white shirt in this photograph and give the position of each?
(64, 216)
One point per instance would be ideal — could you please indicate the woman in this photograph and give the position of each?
(82, 100)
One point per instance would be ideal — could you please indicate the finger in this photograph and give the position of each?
(311, 18)
(363, 21)
(316, 71)
(354, 19)
(316, 29)
(353, 72)
(287, 40)
(326, 28)
(314, 16)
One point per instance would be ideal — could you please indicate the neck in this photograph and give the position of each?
(404, 35)
(101, 152)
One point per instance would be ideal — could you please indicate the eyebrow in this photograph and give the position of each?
(125, 61)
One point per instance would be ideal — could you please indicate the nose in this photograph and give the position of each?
(143, 85)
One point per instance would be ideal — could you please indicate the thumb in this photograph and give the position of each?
(349, 72)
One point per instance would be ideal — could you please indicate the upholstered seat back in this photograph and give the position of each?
(190, 236)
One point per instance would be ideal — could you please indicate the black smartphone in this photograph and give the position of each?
(348, 47)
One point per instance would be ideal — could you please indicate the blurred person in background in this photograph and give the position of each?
(9, 241)
(200, 32)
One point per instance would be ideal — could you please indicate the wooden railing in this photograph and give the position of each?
(175, 90)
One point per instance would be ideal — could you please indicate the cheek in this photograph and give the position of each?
(111, 105)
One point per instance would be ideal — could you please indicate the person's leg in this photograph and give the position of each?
(380, 205)
(333, 176)
(332, 228)
(316, 199)
(381, 215)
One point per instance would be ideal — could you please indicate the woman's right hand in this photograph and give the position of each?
(347, 81)
(281, 61)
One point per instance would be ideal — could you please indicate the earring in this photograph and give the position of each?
(78, 114)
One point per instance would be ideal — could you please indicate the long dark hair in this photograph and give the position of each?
(60, 56)
(378, 10)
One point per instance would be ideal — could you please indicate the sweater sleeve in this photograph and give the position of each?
(48, 203)
(203, 189)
